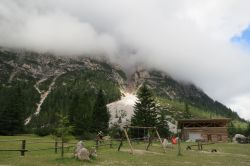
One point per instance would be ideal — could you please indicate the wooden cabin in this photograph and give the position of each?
(214, 130)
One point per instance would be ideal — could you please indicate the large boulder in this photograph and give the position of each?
(78, 147)
(92, 152)
(83, 154)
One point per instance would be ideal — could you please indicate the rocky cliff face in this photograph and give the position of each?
(17, 63)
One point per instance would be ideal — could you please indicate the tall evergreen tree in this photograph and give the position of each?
(80, 112)
(187, 114)
(145, 112)
(12, 117)
(101, 115)
(162, 125)
(231, 130)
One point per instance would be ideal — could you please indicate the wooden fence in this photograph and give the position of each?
(55, 145)
(23, 146)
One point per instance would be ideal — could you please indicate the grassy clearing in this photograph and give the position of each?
(228, 154)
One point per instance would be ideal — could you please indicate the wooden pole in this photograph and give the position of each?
(129, 143)
(198, 145)
(23, 147)
(97, 143)
(121, 143)
(179, 144)
(62, 151)
(149, 142)
(111, 145)
(160, 139)
(139, 127)
(179, 147)
(56, 146)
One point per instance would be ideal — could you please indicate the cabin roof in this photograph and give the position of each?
(204, 120)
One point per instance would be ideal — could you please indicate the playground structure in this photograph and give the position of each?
(149, 138)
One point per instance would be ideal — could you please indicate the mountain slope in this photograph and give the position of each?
(52, 84)
(166, 87)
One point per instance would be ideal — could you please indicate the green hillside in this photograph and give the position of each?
(178, 110)
(70, 87)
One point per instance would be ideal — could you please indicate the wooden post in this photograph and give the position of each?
(56, 146)
(179, 147)
(200, 145)
(149, 142)
(62, 151)
(179, 144)
(23, 147)
(97, 143)
(121, 143)
(129, 143)
(110, 143)
(160, 139)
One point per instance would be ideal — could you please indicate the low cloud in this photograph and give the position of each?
(189, 39)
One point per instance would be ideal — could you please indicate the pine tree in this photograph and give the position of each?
(162, 125)
(231, 130)
(12, 117)
(80, 112)
(101, 115)
(63, 129)
(187, 114)
(145, 112)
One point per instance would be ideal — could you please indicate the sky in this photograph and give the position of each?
(204, 42)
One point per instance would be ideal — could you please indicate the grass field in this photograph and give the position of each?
(228, 154)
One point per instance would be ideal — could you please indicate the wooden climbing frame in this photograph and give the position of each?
(125, 130)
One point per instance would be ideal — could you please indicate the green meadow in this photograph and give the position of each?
(42, 154)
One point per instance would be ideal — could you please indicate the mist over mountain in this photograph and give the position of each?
(190, 40)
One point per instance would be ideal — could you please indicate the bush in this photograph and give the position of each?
(43, 131)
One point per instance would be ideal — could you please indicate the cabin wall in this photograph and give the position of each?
(213, 134)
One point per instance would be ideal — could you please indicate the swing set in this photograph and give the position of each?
(147, 136)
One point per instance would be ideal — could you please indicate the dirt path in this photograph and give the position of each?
(141, 152)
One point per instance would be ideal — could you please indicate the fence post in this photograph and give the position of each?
(110, 143)
(23, 147)
(56, 146)
(62, 151)
(97, 143)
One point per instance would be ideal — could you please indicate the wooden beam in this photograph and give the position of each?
(129, 143)
(149, 142)
(160, 140)
(121, 143)
(139, 127)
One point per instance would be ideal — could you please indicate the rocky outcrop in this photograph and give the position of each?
(78, 147)
(83, 153)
